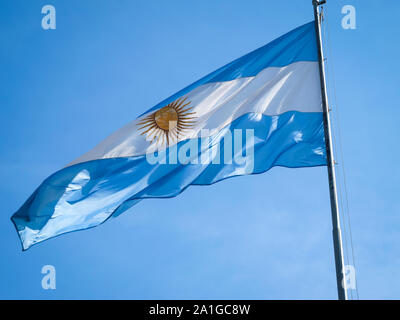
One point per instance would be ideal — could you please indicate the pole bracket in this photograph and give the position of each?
(319, 2)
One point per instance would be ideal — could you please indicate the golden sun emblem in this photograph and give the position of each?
(166, 124)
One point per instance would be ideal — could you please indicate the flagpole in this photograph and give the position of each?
(337, 236)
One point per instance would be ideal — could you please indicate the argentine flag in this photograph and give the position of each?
(259, 111)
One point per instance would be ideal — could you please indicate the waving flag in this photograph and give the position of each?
(259, 111)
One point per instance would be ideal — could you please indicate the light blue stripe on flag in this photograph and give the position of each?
(93, 191)
(294, 46)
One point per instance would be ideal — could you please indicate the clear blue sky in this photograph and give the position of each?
(63, 90)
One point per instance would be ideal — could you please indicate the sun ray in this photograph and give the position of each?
(146, 119)
(161, 138)
(146, 125)
(152, 135)
(173, 104)
(149, 129)
(183, 102)
(187, 122)
(185, 111)
(180, 101)
(187, 115)
(180, 108)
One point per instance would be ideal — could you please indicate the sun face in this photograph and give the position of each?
(166, 124)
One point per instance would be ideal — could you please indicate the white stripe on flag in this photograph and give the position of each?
(272, 92)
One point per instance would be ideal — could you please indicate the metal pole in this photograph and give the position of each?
(337, 236)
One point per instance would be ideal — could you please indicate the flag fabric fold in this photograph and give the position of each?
(259, 111)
